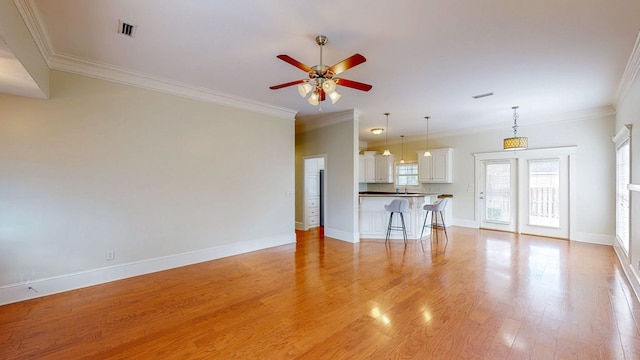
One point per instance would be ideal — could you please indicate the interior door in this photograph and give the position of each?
(498, 195)
(545, 185)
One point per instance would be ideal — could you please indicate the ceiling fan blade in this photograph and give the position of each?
(354, 84)
(323, 95)
(347, 63)
(276, 87)
(294, 62)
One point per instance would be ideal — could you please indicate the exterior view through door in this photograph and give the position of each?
(525, 192)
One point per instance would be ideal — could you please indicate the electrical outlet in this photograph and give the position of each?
(110, 255)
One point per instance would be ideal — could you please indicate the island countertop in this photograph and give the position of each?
(393, 194)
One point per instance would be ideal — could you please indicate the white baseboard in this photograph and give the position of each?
(593, 238)
(465, 223)
(342, 235)
(629, 271)
(44, 287)
(300, 226)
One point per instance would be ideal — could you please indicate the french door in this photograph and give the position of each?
(524, 192)
(546, 192)
(497, 197)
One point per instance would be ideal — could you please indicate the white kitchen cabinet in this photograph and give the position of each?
(367, 167)
(384, 168)
(437, 168)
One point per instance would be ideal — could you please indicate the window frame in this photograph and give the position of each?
(396, 177)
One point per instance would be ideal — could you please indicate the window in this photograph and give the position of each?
(623, 172)
(622, 195)
(407, 175)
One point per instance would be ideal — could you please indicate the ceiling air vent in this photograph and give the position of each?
(482, 95)
(127, 29)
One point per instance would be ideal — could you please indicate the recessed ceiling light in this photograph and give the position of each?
(482, 95)
(377, 131)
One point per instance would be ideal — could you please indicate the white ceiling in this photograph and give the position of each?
(556, 59)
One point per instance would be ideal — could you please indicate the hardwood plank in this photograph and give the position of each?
(488, 295)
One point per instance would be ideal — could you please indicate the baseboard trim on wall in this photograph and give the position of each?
(342, 235)
(464, 223)
(43, 287)
(629, 271)
(593, 238)
(300, 226)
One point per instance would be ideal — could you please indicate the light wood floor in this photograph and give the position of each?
(488, 295)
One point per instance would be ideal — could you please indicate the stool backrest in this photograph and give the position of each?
(442, 204)
(398, 205)
(439, 205)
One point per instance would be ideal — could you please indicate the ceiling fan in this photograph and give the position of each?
(323, 79)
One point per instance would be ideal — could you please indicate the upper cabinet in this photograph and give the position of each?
(384, 168)
(374, 168)
(437, 168)
(367, 167)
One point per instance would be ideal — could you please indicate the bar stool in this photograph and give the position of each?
(397, 206)
(435, 209)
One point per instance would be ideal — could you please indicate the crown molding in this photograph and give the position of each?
(582, 115)
(312, 122)
(116, 74)
(630, 72)
(127, 77)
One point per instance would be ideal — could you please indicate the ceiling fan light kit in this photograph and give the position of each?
(322, 79)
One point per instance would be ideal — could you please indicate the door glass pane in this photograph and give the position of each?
(498, 192)
(623, 171)
(544, 192)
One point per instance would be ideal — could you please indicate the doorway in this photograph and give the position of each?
(497, 198)
(314, 191)
(525, 192)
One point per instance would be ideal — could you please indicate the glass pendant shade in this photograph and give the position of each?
(334, 96)
(427, 153)
(314, 99)
(304, 89)
(386, 151)
(329, 86)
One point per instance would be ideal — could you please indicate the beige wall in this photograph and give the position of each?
(339, 142)
(102, 166)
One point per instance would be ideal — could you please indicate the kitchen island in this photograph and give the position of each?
(374, 218)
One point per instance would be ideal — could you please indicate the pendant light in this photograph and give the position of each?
(427, 153)
(386, 151)
(402, 158)
(515, 142)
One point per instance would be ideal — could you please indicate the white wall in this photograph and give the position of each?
(339, 142)
(102, 166)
